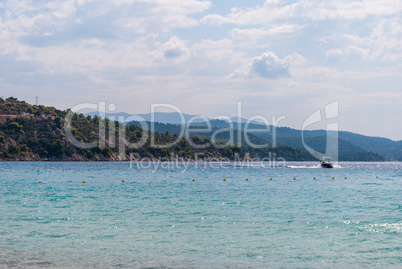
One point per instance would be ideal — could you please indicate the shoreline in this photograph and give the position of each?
(179, 161)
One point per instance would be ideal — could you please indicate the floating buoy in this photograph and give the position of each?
(294, 178)
(40, 181)
(123, 181)
(346, 177)
(26, 171)
(193, 179)
(83, 181)
(224, 179)
(333, 178)
(38, 171)
(270, 178)
(314, 178)
(246, 179)
(360, 177)
(376, 177)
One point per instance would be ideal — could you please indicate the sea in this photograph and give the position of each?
(200, 215)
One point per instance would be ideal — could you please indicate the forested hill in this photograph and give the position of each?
(288, 140)
(35, 133)
(29, 132)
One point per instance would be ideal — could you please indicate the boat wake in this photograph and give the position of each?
(318, 166)
(304, 166)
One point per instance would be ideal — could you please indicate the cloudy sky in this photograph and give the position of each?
(277, 57)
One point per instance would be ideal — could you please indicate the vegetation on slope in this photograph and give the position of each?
(246, 142)
(289, 141)
(29, 132)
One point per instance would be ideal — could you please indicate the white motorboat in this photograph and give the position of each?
(326, 162)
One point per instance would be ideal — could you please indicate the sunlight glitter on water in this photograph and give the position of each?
(165, 219)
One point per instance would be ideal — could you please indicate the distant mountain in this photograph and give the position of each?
(162, 117)
(390, 150)
(286, 145)
(168, 118)
(352, 146)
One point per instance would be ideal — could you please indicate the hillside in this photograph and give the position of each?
(38, 133)
(287, 140)
(289, 153)
(391, 150)
(352, 147)
(29, 132)
(360, 147)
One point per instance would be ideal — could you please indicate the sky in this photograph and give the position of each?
(278, 58)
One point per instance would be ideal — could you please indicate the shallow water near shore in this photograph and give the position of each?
(159, 217)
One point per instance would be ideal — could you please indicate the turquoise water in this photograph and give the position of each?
(161, 218)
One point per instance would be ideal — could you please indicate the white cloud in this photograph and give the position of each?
(266, 25)
(295, 59)
(175, 48)
(95, 36)
(344, 9)
(253, 35)
(220, 51)
(80, 19)
(310, 10)
(383, 44)
(215, 20)
(351, 53)
(61, 9)
(269, 12)
(270, 66)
